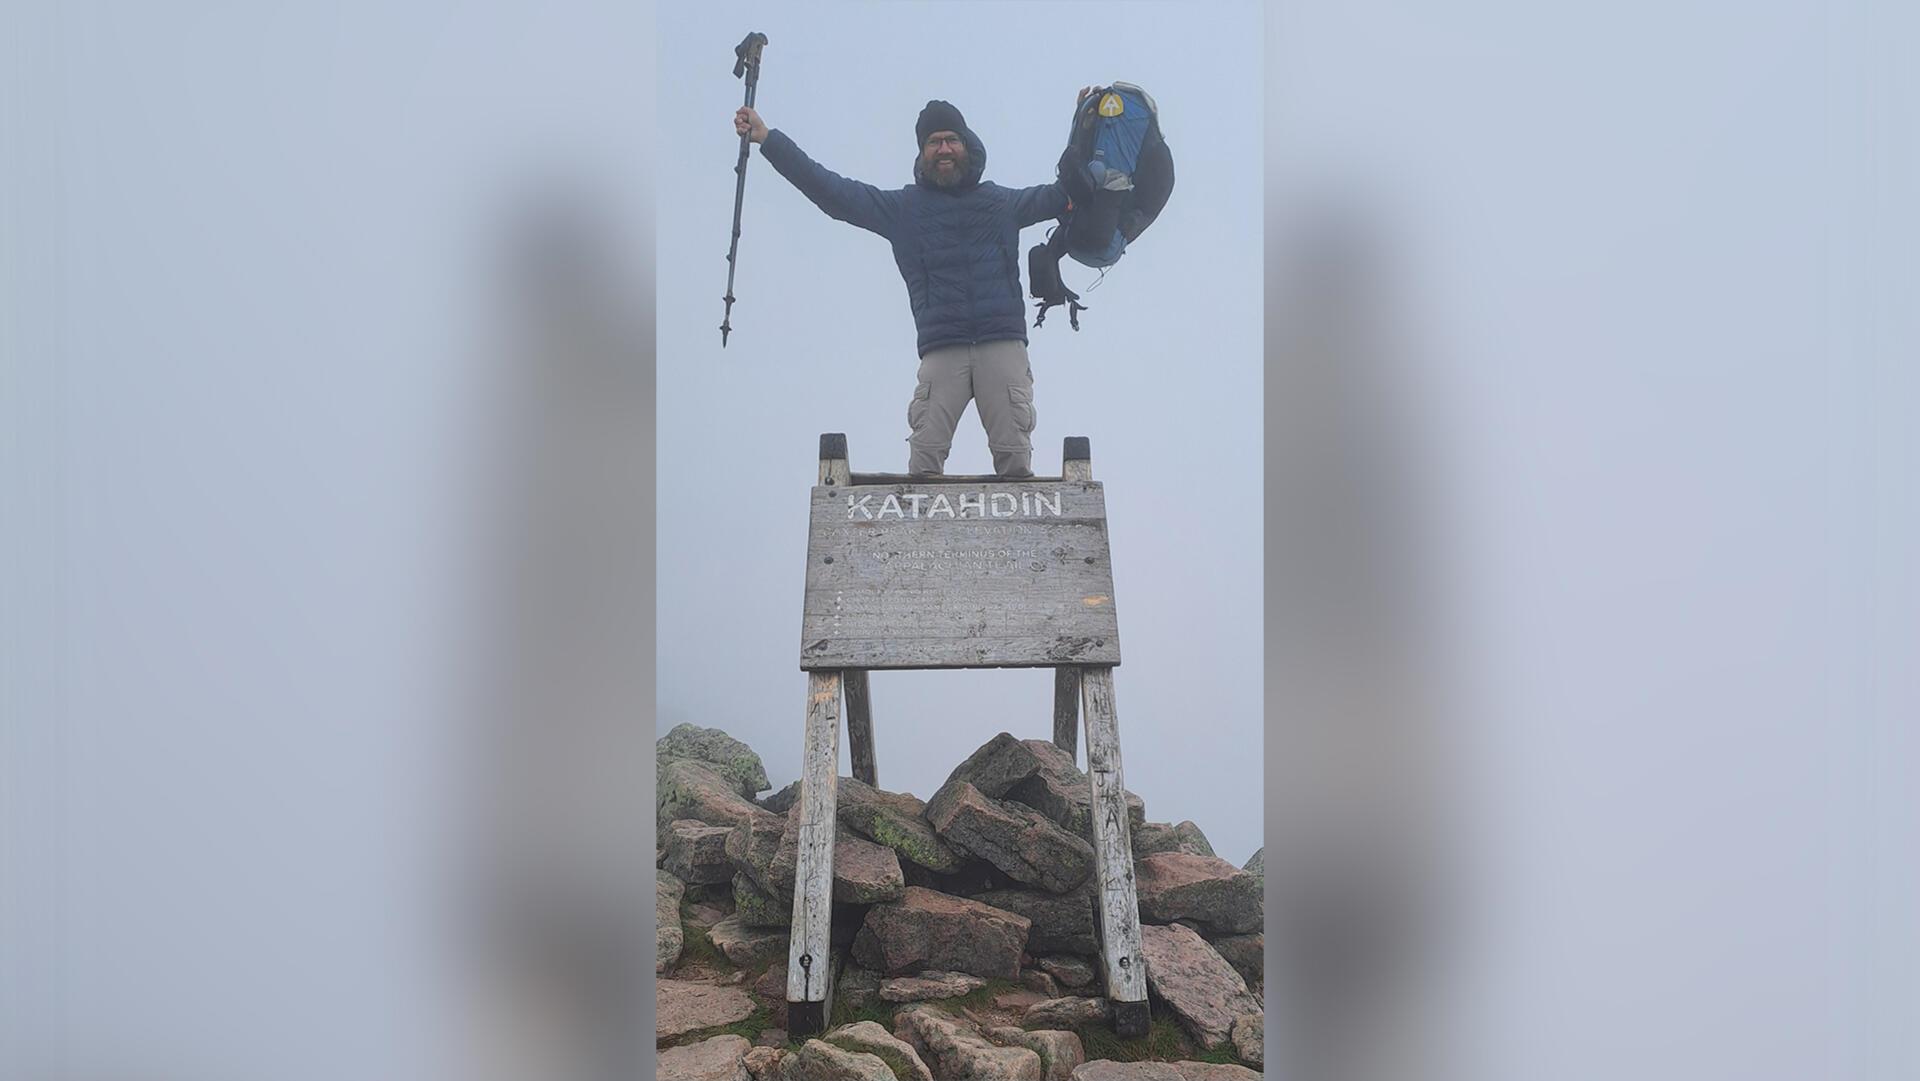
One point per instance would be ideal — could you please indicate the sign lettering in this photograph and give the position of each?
(908, 506)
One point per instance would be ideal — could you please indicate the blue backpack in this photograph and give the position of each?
(1118, 173)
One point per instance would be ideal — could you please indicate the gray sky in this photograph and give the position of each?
(1164, 377)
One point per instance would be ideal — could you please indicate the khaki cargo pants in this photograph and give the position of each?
(995, 376)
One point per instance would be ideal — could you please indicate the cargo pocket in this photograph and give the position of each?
(1023, 411)
(917, 408)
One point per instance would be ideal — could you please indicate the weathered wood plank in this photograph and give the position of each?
(942, 653)
(1076, 463)
(1076, 458)
(808, 955)
(1113, 854)
(806, 1020)
(1066, 708)
(860, 725)
(1008, 574)
(833, 459)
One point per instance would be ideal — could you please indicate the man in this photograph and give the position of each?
(956, 241)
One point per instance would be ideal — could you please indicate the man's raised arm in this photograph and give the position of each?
(1038, 203)
(845, 200)
(1043, 201)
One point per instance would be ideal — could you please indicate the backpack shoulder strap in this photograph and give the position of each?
(1045, 283)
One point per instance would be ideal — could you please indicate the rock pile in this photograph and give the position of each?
(965, 929)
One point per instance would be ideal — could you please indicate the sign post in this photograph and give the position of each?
(911, 572)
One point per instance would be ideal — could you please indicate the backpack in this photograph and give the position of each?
(1117, 172)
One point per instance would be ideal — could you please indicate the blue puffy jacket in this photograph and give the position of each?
(957, 248)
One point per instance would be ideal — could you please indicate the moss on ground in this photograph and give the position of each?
(755, 907)
(749, 1026)
(1224, 1055)
(699, 951)
(894, 1059)
(906, 843)
(1164, 1042)
(845, 1014)
(979, 997)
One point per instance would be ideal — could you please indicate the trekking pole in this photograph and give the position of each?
(746, 62)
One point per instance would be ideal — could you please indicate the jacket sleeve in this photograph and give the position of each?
(844, 200)
(1038, 203)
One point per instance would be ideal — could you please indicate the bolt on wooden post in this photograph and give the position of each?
(907, 572)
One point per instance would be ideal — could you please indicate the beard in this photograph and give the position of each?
(928, 171)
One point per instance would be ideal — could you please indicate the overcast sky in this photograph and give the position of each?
(1164, 377)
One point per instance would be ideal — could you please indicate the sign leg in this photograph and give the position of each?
(810, 955)
(1113, 858)
(1076, 463)
(860, 726)
(1066, 708)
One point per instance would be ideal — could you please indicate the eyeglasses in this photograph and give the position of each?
(945, 140)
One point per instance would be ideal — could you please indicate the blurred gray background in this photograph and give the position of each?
(291, 572)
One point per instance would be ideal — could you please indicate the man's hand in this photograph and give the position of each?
(1084, 91)
(747, 122)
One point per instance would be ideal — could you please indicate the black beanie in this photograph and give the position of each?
(938, 116)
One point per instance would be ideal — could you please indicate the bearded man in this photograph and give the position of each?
(956, 240)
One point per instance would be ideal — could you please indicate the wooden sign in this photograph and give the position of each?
(982, 574)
